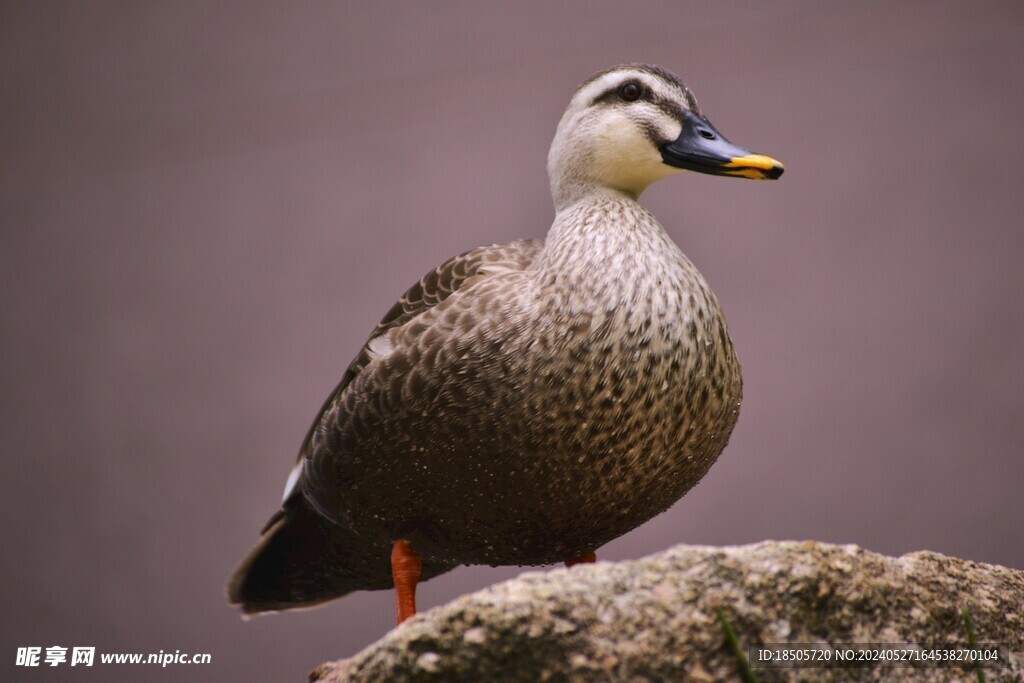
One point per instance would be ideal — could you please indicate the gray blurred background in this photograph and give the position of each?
(207, 206)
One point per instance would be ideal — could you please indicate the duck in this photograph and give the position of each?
(524, 403)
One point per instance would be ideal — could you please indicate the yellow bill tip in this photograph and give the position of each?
(755, 166)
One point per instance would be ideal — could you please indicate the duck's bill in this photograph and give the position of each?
(700, 147)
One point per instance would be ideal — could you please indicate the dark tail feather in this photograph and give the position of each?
(303, 559)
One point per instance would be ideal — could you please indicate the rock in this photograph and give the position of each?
(658, 619)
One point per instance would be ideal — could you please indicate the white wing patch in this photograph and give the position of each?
(293, 479)
(495, 267)
(380, 346)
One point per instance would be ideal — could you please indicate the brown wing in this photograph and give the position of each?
(432, 289)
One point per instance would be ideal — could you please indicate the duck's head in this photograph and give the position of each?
(633, 124)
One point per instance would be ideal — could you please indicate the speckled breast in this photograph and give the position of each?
(543, 445)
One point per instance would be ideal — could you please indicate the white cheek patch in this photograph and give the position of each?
(293, 479)
(669, 128)
(625, 157)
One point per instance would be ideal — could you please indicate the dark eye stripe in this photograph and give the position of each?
(669, 106)
(611, 96)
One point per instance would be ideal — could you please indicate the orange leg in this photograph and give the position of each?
(405, 571)
(585, 557)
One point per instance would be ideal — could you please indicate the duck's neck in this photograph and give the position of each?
(606, 234)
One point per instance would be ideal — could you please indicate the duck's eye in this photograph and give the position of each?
(630, 92)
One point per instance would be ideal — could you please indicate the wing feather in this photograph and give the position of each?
(433, 288)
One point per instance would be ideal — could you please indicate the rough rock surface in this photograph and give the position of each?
(656, 619)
